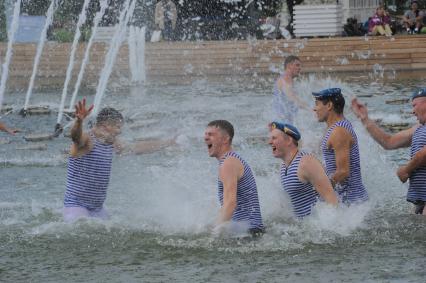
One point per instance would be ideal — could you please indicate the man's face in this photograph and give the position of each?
(111, 130)
(419, 109)
(414, 6)
(321, 110)
(214, 139)
(277, 141)
(294, 68)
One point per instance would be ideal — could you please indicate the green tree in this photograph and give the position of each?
(34, 8)
(3, 30)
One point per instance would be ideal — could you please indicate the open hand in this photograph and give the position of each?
(13, 131)
(80, 109)
(359, 109)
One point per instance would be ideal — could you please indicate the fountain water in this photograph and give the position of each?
(81, 20)
(136, 43)
(97, 19)
(11, 37)
(49, 18)
(117, 39)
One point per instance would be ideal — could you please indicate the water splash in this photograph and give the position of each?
(378, 71)
(136, 42)
(96, 20)
(49, 18)
(80, 22)
(115, 44)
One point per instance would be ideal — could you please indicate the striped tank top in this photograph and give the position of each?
(88, 177)
(248, 208)
(283, 108)
(352, 189)
(417, 187)
(303, 196)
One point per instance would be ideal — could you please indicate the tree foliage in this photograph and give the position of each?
(3, 31)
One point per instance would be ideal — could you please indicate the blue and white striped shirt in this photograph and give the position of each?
(352, 189)
(303, 196)
(417, 188)
(248, 208)
(88, 177)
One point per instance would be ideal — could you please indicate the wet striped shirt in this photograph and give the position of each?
(303, 196)
(417, 188)
(248, 208)
(352, 189)
(88, 177)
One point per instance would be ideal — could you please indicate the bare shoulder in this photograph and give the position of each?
(308, 161)
(307, 165)
(231, 166)
(340, 135)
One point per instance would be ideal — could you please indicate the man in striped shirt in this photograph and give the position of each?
(237, 190)
(414, 137)
(340, 147)
(302, 175)
(89, 164)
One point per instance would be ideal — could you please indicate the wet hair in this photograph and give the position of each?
(290, 59)
(109, 115)
(224, 126)
(337, 100)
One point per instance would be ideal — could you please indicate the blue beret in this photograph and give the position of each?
(287, 129)
(328, 92)
(419, 93)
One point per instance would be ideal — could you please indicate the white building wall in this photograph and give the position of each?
(359, 9)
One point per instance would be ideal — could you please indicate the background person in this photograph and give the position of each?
(413, 18)
(165, 18)
(285, 102)
(379, 23)
(414, 137)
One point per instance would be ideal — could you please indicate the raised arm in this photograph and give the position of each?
(81, 141)
(311, 171)
(143, 147)
(387, 141)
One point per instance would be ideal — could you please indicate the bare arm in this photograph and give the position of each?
(311, 171)
(4, 128)
(387, 141)
(418, 160)
(341, 142)
(143, 147)
(81, 141)
(230, 172)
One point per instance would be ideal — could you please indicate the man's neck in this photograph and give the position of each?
(290, 155)
(224, 151)
(333, 118)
